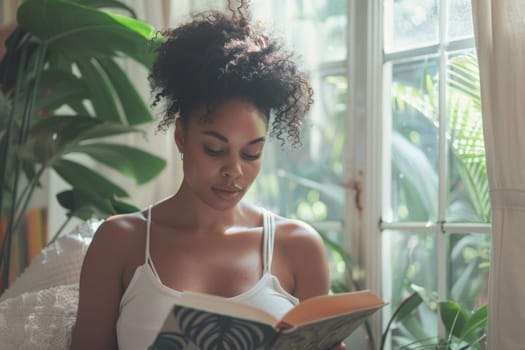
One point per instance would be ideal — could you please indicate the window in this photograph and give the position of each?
(435, 208)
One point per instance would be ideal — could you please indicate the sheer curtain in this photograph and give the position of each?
(500, 38)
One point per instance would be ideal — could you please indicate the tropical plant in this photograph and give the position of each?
(464, 329)
(63, 95)
(466, 137)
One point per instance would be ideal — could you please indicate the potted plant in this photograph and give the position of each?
(64, 93)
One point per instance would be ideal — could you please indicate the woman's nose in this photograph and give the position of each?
(233, 168)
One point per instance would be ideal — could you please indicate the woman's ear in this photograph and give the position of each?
(179, 135)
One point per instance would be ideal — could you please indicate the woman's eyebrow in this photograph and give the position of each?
(224, 139)
(257, 140)
(217, 135)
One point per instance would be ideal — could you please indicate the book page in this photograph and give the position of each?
(321, 335)
(331, 305)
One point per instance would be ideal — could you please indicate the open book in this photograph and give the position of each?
(207, 322)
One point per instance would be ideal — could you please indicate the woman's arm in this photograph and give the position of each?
(306, 255)
(306, 252)
(100, 292)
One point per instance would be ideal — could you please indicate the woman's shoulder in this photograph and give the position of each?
(295, 228)
(121, 228)
(297, 234)
(302, 250)
(287, 230)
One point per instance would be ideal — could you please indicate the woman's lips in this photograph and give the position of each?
(228, 193)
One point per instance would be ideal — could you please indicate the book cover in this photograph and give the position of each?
(208, 322)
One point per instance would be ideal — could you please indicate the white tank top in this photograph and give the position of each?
(147, 301)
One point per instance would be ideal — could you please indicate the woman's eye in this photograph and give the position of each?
(248, 156)
(213, 152)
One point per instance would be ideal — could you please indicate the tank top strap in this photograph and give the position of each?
(148, 260)
(269, 238)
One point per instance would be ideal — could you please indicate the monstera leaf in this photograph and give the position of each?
(67, 96)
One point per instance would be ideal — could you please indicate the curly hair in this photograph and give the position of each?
(216, 57)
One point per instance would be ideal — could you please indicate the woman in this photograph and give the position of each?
(222, 79)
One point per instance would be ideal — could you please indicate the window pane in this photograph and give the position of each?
(416, 266)
(410, 23)
(414, 143)
(459, 19)
(316, 29)
(468, 197)
(469, 259)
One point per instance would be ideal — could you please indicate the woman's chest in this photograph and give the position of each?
(226, 269)
(223, 265)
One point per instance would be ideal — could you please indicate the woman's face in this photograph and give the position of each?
(222, 155)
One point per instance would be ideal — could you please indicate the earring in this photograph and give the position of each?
(181, 156)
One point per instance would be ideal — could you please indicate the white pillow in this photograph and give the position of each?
(57, 264)
(39, 320)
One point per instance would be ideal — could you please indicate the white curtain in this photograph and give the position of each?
(500, 38)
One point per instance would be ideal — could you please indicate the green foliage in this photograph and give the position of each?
(347, 282)
(64, 95)
(466, 133)
(464, 329)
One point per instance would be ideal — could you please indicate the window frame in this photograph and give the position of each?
(364, 112)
